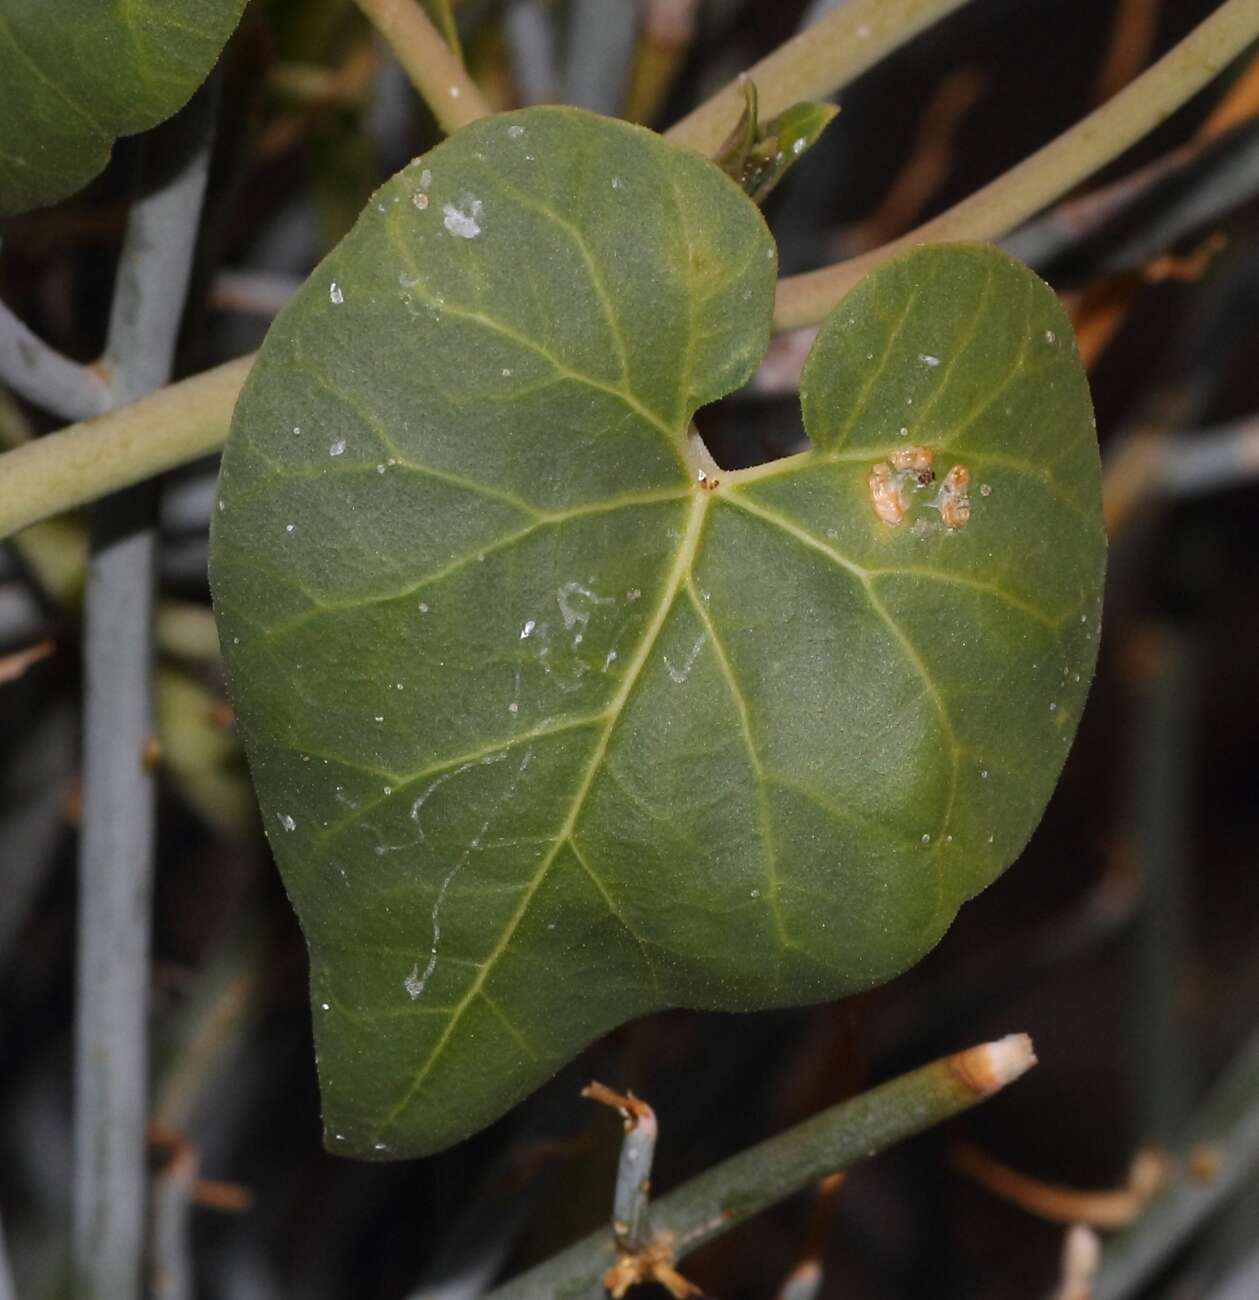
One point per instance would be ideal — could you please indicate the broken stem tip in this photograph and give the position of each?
(991, 1066)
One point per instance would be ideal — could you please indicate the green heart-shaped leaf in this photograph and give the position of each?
(552, 723)
(76, 74)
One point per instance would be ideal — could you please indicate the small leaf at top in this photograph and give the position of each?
(733, 154)
(757, 156)
(550, 728)
(76, 74)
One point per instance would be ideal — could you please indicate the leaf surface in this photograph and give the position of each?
(554, 724)
(76, 74)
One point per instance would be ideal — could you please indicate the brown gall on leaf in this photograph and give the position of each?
(887, 492)
(954, 497)
(918, 461)
(891, 482)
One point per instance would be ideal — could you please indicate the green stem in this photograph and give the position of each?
(757, 1178)
(85, 461)
(1050, 172)
(426, 58)
(814, 64)
(15, 428)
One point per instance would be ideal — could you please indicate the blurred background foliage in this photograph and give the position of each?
(1124, 941)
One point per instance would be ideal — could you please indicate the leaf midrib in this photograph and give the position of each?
(687, 547)
(679, 577)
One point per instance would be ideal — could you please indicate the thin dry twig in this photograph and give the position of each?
(177, 1188)
(13, 666)
(633, 1110)
(1114, 1208)
(653, 1263)
(1132, 39)
(1098, 314)
(1101, 310)
(1185, 268)
(930, 160)
(209, 1193)
(315, 90)
(1240, 103)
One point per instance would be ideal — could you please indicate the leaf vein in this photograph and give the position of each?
(401, 784)
(685, 389)
(606, 893)
(496, 326)
(550, 519)
(973, 584)
(403, 461)
(959, 350)
(908, 649)
(672, 585)
(517, 1037)
(769, 840)
(592, 268)
(876, 371)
